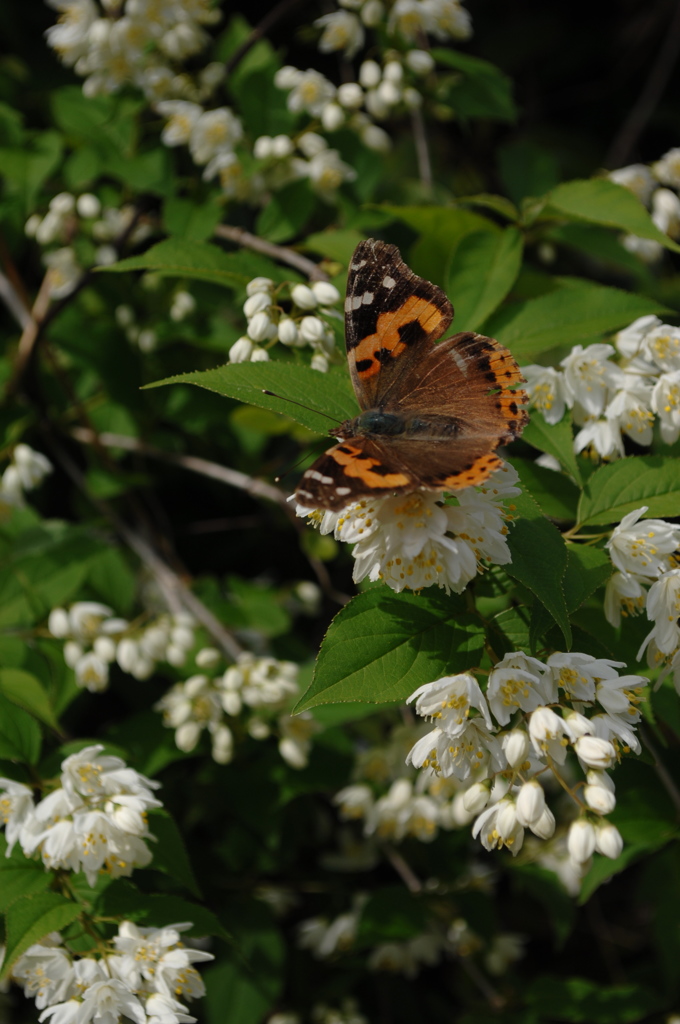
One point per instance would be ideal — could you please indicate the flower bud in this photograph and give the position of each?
(608, 840)
(332, 117)
(222, 744)
(258, 729)
(58, 623)
(259, 355)
(419, 61)
(370, 74)
(320, 362)
(412, 98)
(376, 138)
(175, 655)
(376, 105)
(350, 95)
(312, 329)
(581, 840)
(311, 144)
(88, 205)
(63, 203)
(506, 820)
(256, 303)
(595, 752)
(393, 71)
(259, 284)
(516, 747)
(146, 340)
(105, 648)
(476, 797)
(282, 146)
(288, 332)
(231, 702)
(530, 802)
(544, 827)
(262, 147)
(73, 652)
(127, 653)
(240, 350)
(125, 316)
(325, 293)
(182, 305)
(372, 13)
(208, 657)
(187, 736)
(599, 799)
(258, 327)
(287, 77)
(303, 297)
(389, 93)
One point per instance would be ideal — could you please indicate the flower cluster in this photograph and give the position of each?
(138, 42)
(646, 555)
(140, 975)
(263, 688)
(95, 639)
(282, 161)
(407, 20)
(211, 136)
(303, 320)
(70, 217)
(94, 822)
(417, 540)
(656, 186)
(27, 470)
(610, 398)
(541, 709)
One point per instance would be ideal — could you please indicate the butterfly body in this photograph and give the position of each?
(432, 415)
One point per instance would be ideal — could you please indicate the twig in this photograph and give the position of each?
(31, 331)
(14, 303)
(422, 149)
(404, 870)
(231, 477)
(657, 80)
(277, 252)
(176, 592)
(665, 776)
(269, 20)
(473, 972)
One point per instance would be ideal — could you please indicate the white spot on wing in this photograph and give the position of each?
(460, 363)
(356, 301)
(342, 491)
(358, 266)
(388, 282)
(367, 298)
(348, 304)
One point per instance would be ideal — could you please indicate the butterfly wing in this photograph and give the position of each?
(354, 469)
(392, 317)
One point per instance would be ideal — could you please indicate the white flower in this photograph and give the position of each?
(447, 19)
(16, 810)
(354, 801)
(163, 1009)
(448, 702)
(319, 362)
(601, 437)
(667, 169)
(589, 376)
(498, 826)
(32, 467)
(183, 116)
(549, 734)
(312, 329)
(647, 249)
(518, 681)
(45, 972)
(342, 30)
(621, 695)
(375, 138)
(644, 547)
(350, 95)
(326, 293)
(92, 672)
(637, 178)
(663, 609)
(258, 327)
(304, 297)
(70, 36)
(472, 749)
(370, 73)
(666, 404)
(581, 840)
(544, 826)
(241, 350)
(64, 271)
(326, 172)
(629, 340)
(661, 346)
(617, 731)
(546, 390)
(577, 674)
(530, 803)
(310, 93)
(476, 797)
(599, 793)
(666, 211)
(623, 595)
(420, 62)
(296, 738)
(214, 131)
(630, 411)
(516, 747)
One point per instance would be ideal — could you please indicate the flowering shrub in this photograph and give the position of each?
(271, 764)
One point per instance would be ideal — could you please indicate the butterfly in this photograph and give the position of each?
(432, 415)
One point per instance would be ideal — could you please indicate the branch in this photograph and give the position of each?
(422, 149)
(277, 252)
(177, 593)
(654, 88)
(404, 870)
(15, 304)
(225, 475)
(269, 20)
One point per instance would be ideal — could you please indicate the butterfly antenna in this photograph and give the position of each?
(301, 404)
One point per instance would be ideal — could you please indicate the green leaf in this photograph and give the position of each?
(24, 689)
(554, 492)
(581, 1001)
(25, 170)
(539, 560)
(169, 852)
(32, 918)
(556, 439)
(499, 204)
(484, 91)
(334, 245)
(186, 219)
(122, 899)
(20, 877)
(527, 168)
(20, 737)
(482, 272)
(200, 261)
(587, 569)
(287, 212)
(604, 202)
(616, 489)
(382, 645)
(392, 914)
(577, 311)
(330, 392)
